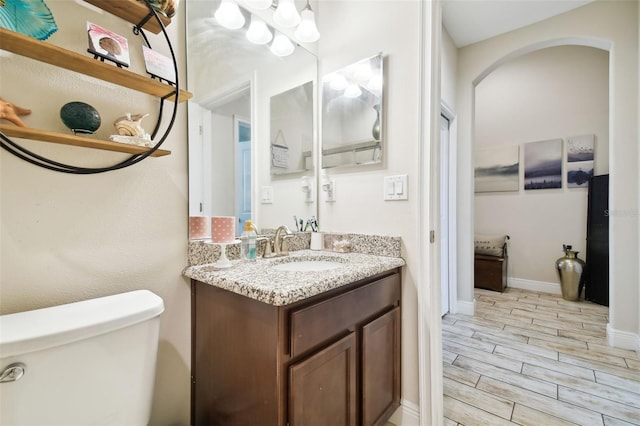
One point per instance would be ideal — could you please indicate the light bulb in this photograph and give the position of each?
(259, 4)
(229, 16)
(375, 84)
(307, 31)
(258, 31)
(282, 46)
(286, 14)
(338, 82)
(352, 91)
(362, 71)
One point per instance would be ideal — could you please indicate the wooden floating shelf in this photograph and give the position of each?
(83, 64)
(81, 141)
(132, 11)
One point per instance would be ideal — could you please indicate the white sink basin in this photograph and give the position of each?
(309, 266)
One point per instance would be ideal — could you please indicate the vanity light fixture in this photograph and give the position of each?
(229, 15)
(362, 72)
(259, 4)
(307, 31)
(286, 14)
(258, 31)
(353, 91)
(281, 45)
(338, 82)
(375, 84)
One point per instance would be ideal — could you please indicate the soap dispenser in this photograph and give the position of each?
(248, 241)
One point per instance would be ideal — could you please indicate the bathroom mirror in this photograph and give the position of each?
(352, 111)
(241, 92)
(291, 122)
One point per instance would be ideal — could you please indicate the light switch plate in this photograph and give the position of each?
(266, 195)
(395, 188)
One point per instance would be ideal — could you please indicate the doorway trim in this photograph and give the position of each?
(466, 232)
(452, 172)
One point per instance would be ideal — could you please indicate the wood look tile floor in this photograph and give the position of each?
(530, 358)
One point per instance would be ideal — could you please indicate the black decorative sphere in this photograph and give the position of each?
(80, 117)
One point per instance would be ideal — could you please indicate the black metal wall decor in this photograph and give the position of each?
(25, 154)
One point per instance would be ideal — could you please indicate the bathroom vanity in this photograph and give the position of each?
(298, 347)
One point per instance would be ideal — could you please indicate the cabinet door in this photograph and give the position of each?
(322, 388)
(381, 368)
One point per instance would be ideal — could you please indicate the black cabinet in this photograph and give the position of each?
(597, 257)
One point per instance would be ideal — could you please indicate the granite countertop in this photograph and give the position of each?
(260, 281)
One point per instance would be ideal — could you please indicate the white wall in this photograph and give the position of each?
(610, 25)
(449, 63)
(352, 31)
(552, 93)
(66, 237)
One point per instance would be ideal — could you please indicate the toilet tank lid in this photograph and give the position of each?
(39, 329)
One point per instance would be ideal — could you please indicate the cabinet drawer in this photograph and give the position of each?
(316, 324)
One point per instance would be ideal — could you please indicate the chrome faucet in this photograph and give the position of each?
(279, 243)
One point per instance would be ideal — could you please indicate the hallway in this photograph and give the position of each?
(536, 359)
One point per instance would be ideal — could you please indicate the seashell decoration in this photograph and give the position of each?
(129, 125)
(9, 111)
(29, 17)
(167, 7)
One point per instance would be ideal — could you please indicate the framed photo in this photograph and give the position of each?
(543, 164)
(158, 65)
(279, 156)
(497, 169)
(105, 44)
(579, 173)
(580, 148)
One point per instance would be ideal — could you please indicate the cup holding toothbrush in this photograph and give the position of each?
(317, 241)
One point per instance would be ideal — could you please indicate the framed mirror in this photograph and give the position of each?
(352, 111)
(241, 92)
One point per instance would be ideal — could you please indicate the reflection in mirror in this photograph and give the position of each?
(291, 115)
(234, 81)
(352, 111)
(223, 132)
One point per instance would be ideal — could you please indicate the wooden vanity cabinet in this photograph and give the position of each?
(332, 359)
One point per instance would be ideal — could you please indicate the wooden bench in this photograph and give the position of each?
(490, 264)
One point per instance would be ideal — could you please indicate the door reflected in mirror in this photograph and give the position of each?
(220, 156)
(352, 114)
(291, 116)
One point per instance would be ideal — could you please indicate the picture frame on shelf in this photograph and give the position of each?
(159, 66)
(107, 45)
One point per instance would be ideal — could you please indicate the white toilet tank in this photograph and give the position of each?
(85, 363)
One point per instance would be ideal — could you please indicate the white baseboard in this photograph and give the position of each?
(623, 339)
(465, 308)
(407, 415)
(540, 286)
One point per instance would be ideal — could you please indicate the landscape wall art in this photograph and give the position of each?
(543, 164)
(580, 157)
(497, 169)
